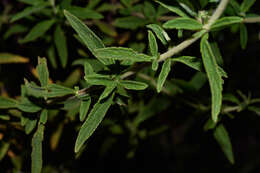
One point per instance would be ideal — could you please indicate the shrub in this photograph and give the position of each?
(144, 62)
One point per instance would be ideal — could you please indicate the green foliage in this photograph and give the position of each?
(112, 64)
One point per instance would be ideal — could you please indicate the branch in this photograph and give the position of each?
(252, 20)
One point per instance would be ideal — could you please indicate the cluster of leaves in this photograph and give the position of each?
(107, 68)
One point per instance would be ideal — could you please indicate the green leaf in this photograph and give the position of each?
(36, 155)
(106, 28)
(55, 90)
(88, 69)
(27, 106)
(15, 29)
(210, 124)
(7, 103)
(52, 57)
(254, 109)
(153, 47)
(133, 85)
(225, 21)
(44, 116)
(121, 53)
(30, 125)
(183, 23)
(149, 10)
(3, 149)
(214, 77)
(166, 68)
(246, 4)
(42, 71)
(28, 11)
(222, 137)
(34, 90)
(108, 90)
(160, 33)
(173, 9)
(131, 22)
(8, 58)
(88, 37)
(243, 35)
(84, 107)
(92, 4)
(61, 45)
(155, 65)
(217, 53)
(98, 79)
(38, 30)
(190, 61)
(93, 120)
(84, 13)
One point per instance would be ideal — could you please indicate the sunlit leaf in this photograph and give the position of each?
(166, 68)
(84, 107)
(93, 120)
(160, 33)
(153, 48)
(225, 21)
(183, 23)
(36, 155)
(121, 53)
(133, 85)
(190, 61)
(88, 37)
(214, 76)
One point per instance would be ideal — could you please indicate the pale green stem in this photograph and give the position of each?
(252, 20)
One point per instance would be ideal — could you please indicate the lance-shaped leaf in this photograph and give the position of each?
(30, 125)
(44, 116)
(222, 137)
(190, 61)
(52, 57)
(121, 53)
(225, 21)
(27, 106)
(42, 71)
(149, 10)
(133, 85)
(176, 10)
(153, 47)
(88, 69)
(55, 90)
(214, 76)
(98, 79)
(7, 103)
(15, 29)
(36, 155)
(61, 45)
(108, 90)
(8, 58)
(160, 33)
(88, 37)
(243, 35)
(166, 68)
(183, 23)
(131, 22)
(246, 4)
(93, 120)
(3, 149)
(38, 30)
(29, 10)
(84, 107)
